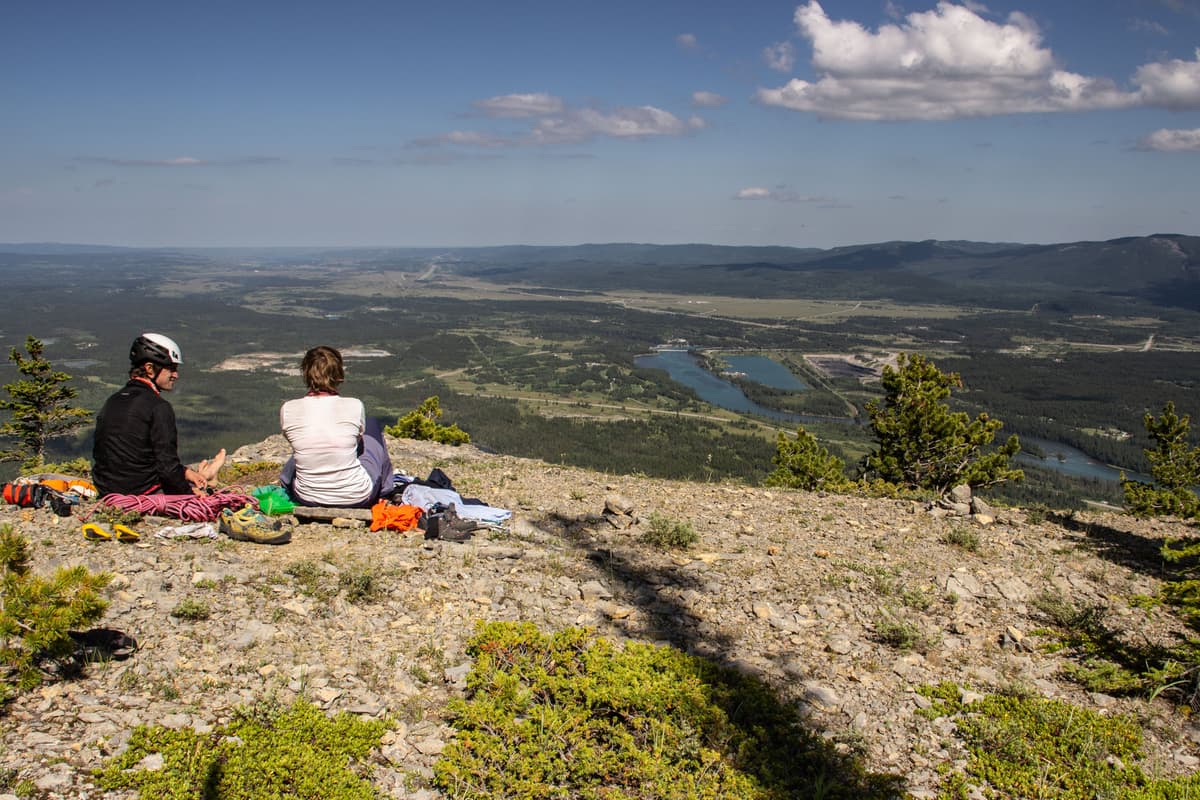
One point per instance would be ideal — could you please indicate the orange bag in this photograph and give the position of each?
(77, 486)
(25, 495)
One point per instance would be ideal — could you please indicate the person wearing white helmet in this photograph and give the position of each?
(136, 449)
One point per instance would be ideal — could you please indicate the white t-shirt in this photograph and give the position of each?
(324, 431)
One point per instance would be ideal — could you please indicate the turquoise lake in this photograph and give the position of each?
(766, 371)
(683, 367)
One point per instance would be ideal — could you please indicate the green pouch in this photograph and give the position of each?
(273, 500)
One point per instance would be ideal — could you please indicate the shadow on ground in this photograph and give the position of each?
(1144, 667)
(790, 757)
(1129, 550)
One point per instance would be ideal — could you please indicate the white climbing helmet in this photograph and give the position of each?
(155, 348)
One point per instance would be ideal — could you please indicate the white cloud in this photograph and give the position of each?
(440, 158)
(1172, 141)
(687, 41)
(1183, 6)
(462, 139)
(950, 63)
(622, 123)
(952, 41)
(1148, 25)
(181, 161)
(1173, 84)
(780, 57)
(553, 122)
(780, 194)
(708, 100)
(474, 139)
(535, 104)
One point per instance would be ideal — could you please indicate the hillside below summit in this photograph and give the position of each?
(792, 587)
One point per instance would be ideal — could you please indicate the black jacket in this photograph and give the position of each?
(136, 450)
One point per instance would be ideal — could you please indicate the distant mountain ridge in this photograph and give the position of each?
(1161, 269)
(58, 248)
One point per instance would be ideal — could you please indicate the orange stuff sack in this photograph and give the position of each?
(391, 517)
(71, 486)
(25, 495)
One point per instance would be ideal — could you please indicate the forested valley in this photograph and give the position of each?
(550, 374)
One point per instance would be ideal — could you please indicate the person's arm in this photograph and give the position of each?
(172, 474)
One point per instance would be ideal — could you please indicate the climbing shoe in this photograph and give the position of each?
(251, 525)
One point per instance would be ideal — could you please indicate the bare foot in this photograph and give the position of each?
(210, 467)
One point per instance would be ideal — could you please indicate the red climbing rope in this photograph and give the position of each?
(188, 507)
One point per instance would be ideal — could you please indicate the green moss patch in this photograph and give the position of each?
(296, 752)
(570, 715)
(1035, 748)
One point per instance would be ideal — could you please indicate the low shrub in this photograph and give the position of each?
(570, 715)
(423, 424)
(37, 613)
(296, 752)
(900, 634)
(191, 609)
(1026, 746)
(76, 467)
(259, 471)
(963, 537)
(665, 532)
(361, 584)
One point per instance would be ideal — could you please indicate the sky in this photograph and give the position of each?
(744, 122)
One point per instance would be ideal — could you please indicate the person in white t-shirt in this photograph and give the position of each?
(339, 459)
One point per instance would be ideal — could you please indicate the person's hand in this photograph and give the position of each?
(199, 482)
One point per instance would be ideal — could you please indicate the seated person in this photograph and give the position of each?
(136, 449)
(339, 459)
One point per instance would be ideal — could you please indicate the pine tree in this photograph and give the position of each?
(1174, 465)
(422, 424)
(921, 444)
(802, 463)
(38, 405)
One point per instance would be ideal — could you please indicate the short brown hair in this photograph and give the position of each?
(323, 370)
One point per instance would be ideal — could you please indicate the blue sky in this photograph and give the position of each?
(475, 123)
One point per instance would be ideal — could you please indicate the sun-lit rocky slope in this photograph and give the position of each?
(791, 586)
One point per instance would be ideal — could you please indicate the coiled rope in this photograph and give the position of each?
(187, 507)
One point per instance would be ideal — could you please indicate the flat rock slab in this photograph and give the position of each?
(319, 514)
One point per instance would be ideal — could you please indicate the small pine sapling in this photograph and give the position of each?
(922, 444)
(423, 424)
(37, 614)
(802, 463)
(1174, 465)
(38, 405)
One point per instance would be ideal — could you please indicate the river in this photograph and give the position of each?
(683, 367)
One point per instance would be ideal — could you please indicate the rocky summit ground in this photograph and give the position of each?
(794, 587)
